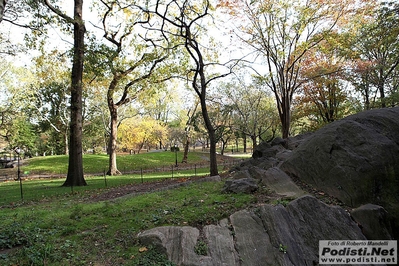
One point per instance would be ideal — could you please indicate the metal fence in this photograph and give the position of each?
(12, 173)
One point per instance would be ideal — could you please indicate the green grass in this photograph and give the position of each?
(34, 190)
(93, 163)
(68, 230)
(57, 225)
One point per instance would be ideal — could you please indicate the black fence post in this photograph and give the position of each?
(105, 179)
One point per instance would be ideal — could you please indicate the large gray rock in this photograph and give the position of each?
(243, 185)
(220, 242)
(277, 181)
(256, 238)
(265, 150)
(302, 224)
(295, 141)
(268, 163)
(241, 174)
(355, 159)
(252, 240)
(261, 149)
(373, 220)
(177, 242)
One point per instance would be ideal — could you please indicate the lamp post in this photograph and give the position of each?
(18, 152)
(176, 154)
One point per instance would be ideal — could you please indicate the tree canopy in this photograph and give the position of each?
(151, 74)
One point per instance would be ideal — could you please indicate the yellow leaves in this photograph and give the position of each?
(143, 249)
(134, 133)
(46, 70)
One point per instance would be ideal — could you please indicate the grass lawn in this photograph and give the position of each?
(98, 163)
(55, 225)
(34, 190)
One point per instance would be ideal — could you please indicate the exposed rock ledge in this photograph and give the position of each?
(270, 235)
(355, 160)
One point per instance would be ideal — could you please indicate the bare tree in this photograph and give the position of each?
(181, 22)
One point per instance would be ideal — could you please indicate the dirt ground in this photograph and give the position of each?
(146, 187)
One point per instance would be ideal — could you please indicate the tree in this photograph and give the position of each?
(2, 7)
(164, 105)
(222, 119)
(323, 101)
(182, 21)
(49, 96)
(140, 133)
(23, 135)
(282, 33)
(75, 176)
(15, 125)
(11, 11)
(253, 111)
(187, 130)
(324, 97)
(51, 107)
(127, 75)
(377, 47)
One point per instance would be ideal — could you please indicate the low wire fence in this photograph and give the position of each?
(169, 171)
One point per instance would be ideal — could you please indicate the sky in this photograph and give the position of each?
(55, 38)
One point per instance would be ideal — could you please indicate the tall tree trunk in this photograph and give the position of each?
(212, 153)
(286, 125)
(212, 139)
(253, 138)
(186, 147)
(224, 144)
(244, 139)
(2, 6)
(112, 169)
(75, 175)
(285, 115)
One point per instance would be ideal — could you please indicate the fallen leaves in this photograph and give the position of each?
(143, 249)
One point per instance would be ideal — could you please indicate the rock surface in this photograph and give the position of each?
(373, 221)
(277, 181)
(355, 159)
(270, 235)
(242, 185)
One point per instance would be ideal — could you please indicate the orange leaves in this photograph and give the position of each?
(232, 7)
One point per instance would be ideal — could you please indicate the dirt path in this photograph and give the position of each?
(140, 188)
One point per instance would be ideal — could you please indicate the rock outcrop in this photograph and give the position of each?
(270, 235)
(355, 159)
(373, 221)
(242, 185)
